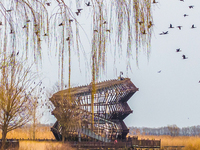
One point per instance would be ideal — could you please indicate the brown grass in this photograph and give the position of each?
(42, 132)
(35, 145)
(190, 143)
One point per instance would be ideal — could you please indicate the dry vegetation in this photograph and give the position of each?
(44, 132)
(190, 142)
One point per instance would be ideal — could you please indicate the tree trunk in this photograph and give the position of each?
(4, 133)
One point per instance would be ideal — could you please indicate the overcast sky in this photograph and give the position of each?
(171, 96)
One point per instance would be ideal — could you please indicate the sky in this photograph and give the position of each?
(169, 88)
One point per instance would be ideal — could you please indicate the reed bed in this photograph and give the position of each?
(190, 142)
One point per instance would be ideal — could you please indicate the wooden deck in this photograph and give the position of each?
(131, 143)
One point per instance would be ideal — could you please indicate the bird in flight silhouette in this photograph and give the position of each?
(185, 15)
(191, 6)
(184, 57)
(178, 50)
(170, 26)
(164, 33)
(193, 26)
(48, 4)
(88, 4)
(179, 27)
(154, 2)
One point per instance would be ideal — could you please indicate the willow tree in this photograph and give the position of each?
(26, 23)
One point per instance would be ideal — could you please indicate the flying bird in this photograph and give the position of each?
(104, 22)
(48, 4)
(144, 32)
(9, 10)
(79, 10)
(67, 39)
(77, 13)
(154, 2)
(170, 26)
(11, 31)
(164, 33)
(182, 0)
(179, 27)
(107, 30)
(24, 26)
(18, 53)
(88, 4)
(70, 20)
(184, 57)
(140, 22)
(95, 30)
(191, 6)
(159, 71)
(178, 50)
(1, 23)
(150, 24)
(185, 15)
(45, 34)
(60, 24)
(193, 26)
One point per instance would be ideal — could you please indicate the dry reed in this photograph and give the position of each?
(190, 142)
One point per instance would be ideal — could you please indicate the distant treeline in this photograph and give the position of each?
(172, 130)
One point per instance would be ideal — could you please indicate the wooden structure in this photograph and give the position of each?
(130, 143)
(110, 109)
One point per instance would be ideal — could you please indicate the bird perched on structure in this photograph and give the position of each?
(120, 76)
(184, 57)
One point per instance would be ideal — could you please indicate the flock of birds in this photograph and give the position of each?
(179, 27)
(178, 50)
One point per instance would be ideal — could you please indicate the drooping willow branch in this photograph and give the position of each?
(114, 22)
